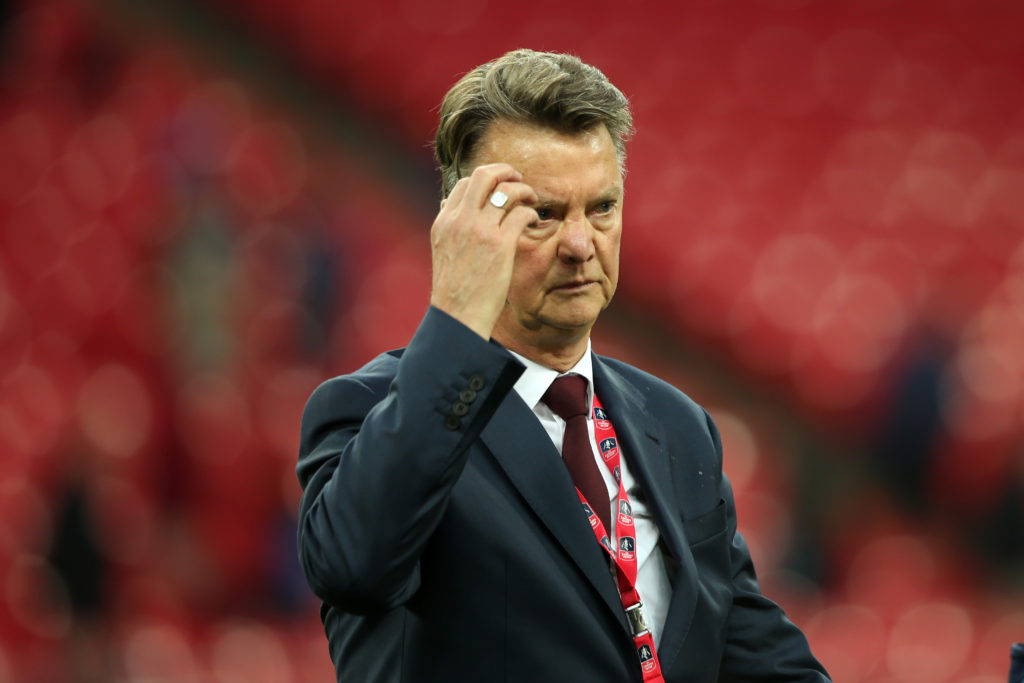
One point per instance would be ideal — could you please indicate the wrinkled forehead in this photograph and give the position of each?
(505, 131)
(550, 158)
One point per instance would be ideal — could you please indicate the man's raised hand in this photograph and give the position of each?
(473, 245)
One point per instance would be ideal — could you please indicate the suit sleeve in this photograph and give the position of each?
(762, 644)
(379, 453)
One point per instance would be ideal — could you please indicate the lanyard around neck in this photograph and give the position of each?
(624, 554)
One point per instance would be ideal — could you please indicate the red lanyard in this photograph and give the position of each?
(625, 555)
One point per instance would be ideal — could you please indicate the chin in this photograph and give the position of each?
(572, 322)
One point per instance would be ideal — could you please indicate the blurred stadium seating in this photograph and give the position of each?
(825, 245)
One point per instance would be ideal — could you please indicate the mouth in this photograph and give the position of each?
(575, 286)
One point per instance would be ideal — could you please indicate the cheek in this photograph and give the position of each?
(529, 271)
(534, 256)
(608, 250)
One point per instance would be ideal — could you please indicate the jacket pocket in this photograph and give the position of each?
(708, 525)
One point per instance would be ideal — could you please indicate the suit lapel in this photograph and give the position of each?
(525, 452)
(646, 451)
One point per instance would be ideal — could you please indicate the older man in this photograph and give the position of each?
(495, 502)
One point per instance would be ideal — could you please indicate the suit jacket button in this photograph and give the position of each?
(467, 395)
(459, 408)
(477, 382)
(452, 422)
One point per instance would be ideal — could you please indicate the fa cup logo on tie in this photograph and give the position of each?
(626, 548)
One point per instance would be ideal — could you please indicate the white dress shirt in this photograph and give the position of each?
(652, 578)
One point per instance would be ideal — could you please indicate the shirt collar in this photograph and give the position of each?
(536, 379)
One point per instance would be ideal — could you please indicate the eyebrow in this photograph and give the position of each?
(609, 194)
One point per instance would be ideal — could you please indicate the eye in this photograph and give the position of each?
(604, 207)
(544, 214)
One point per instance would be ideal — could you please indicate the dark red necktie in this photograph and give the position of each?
(567, 397)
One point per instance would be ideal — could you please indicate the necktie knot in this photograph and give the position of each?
(567, 396)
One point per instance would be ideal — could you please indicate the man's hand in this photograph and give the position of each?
(473, 244)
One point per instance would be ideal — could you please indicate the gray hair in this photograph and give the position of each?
(544, 88)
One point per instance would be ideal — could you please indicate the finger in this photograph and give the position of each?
(483, 181)
(458, 192)
(518, 219)
(514, 194)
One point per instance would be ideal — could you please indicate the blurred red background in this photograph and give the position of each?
(207, 208)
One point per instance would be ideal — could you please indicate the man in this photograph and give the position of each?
(438, 524)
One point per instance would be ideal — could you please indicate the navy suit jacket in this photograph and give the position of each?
(442, 532)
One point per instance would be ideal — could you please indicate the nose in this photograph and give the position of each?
(576, 239)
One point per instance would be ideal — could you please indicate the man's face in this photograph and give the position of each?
(567, 266)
